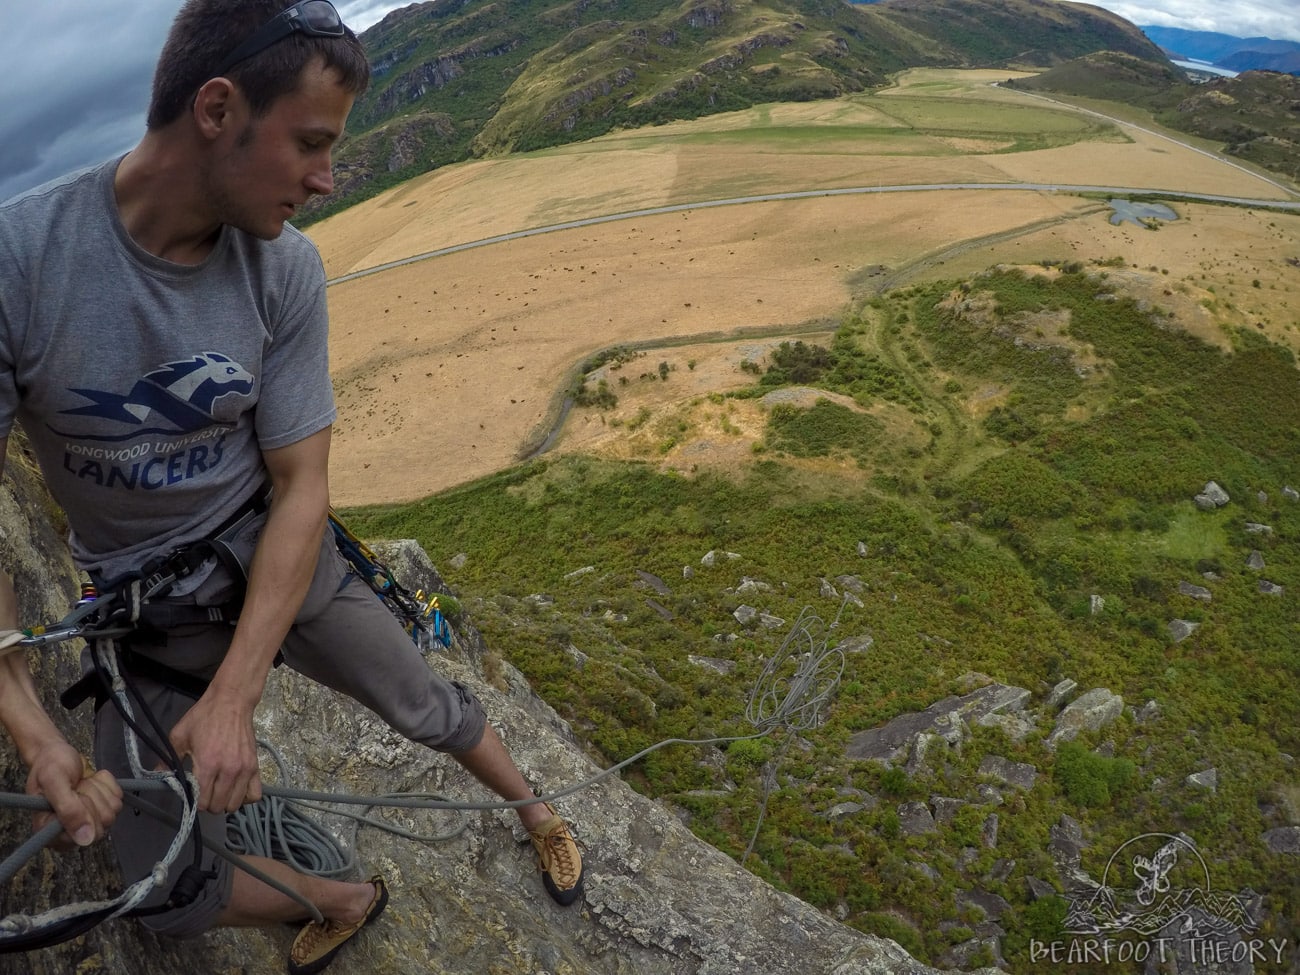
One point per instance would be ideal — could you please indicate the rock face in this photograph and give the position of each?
(946, 719)
(658, 900)
(1088, 712)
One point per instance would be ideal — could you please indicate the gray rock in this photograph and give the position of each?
(915, 819)
(856, 644)
(1208, 780)
(1255, 528)
(1291, 493)
(1195, 592)
(744, 614)
(990, 905)
(892, 742)
(770, 622)
(1096, 604)
(654, 582)
(1061, 693)
(1283, 839)
(1038, 889)
(579, 573)
(945, 808)
(458, 561)
(1261, 497)
(1017, 774)
(917, 764)
(1205, 502)
(851, 583)
(688, 572)
(715, 664)
(1180, 630)
(1267, 588)
(862, 550)
(1089, 712)
(1215, 494)
(1255, 560)
(827, 591)
(843, 810)
(989, 832)
(748, 585)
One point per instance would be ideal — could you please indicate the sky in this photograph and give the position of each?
(77, 73)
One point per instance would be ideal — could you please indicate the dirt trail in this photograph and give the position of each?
(446, 369)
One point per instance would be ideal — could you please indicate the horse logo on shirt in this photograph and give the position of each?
(185, 393)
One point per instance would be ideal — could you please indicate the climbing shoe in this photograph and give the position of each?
(317, 944)
(561, 863)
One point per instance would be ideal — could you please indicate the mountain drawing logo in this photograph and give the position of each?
(185, 394)
(1156, 904)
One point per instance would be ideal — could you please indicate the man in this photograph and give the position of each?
(163, 342)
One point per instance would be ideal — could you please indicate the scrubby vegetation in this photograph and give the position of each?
(1069, 477)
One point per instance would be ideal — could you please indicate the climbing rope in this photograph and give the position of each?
(792, 694)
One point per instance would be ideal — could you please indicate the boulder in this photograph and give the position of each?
(1089, 712)
(1267, 588)
(1195, 592)
(1020, 775)
(1214, 495)
(1207, 780)
(947, 718)
(914, 818)
(1283, 839)
(1180, 630)
(1255, 560)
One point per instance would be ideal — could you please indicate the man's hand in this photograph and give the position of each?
(84, 801)
(217, 733)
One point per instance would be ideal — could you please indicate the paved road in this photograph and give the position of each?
(1291, 205)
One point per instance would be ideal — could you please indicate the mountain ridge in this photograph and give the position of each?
(454, 81)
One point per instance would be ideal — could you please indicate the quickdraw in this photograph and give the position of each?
(419, 613)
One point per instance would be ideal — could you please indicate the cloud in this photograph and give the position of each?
(77, 81)
(1278, 19)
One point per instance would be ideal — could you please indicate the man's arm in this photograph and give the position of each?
(85, 804)
(218, 731)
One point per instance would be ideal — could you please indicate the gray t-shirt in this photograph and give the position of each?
(149, 389)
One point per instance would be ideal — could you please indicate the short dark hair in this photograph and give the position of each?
(206, 31)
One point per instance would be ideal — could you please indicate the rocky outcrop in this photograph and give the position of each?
(658, 900)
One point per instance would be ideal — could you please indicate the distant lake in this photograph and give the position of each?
(1207, 68)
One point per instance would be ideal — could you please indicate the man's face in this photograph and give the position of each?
(276, 163)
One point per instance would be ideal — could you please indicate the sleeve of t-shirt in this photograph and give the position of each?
(296, 398)
(13, 314)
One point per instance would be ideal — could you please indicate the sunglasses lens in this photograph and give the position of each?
(320, 15)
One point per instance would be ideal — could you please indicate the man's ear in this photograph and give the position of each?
(215, 105)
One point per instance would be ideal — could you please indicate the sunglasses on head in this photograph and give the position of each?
(315, 18)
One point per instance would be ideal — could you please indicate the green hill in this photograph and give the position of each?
(1255, 116)
(455, 80)
(1054, 538)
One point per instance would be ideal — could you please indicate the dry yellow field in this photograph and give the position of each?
(447, 368)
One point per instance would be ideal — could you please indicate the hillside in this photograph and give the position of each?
(458, 80)
(994, 476)
(1253, 116)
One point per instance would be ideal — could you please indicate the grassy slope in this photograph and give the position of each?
(1252, 116)
(984, 542)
